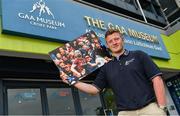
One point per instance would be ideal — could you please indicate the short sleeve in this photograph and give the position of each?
(150, 68)
(101, 82)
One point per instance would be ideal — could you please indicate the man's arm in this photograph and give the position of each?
(87, 88)
(159, 90)
(84, 87)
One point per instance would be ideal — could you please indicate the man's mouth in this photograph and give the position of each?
(115, 46)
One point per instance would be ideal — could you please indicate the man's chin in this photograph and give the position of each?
(117, 51)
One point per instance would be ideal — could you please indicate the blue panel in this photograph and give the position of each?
(63, 20)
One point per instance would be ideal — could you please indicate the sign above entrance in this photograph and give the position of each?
(62, 20)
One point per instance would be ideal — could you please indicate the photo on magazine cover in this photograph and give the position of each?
(79, 57)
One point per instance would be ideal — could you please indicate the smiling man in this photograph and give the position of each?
(133, 77)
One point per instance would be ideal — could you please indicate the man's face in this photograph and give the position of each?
(115, 43)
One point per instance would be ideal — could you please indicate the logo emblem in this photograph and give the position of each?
(130, 61)
(42, 7)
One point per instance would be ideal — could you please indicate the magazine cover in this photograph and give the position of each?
(79, 57)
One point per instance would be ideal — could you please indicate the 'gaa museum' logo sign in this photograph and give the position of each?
(45, 18)
(41, 6)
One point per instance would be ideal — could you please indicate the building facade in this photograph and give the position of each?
(29, 80)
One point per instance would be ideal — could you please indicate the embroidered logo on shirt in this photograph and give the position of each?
(129, 61)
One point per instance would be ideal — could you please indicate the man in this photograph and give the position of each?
(133, 77)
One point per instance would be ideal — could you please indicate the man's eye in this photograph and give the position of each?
(116, 39)
(110, 41)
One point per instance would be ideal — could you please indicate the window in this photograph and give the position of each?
(168, 6)
(129, 1)
(158, 10)
(48, 98)
(146, 5)
(60, 101)
(25, 101)
(109, 99)
(90, 104)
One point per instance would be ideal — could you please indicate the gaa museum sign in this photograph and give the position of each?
(64, 20)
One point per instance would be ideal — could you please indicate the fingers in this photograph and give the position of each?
(65, 81)
(63, 76)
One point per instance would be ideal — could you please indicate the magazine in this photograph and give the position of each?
(80, 57)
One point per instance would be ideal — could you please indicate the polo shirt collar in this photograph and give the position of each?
(126, 53)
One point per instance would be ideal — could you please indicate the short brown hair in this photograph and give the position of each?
(111, 31)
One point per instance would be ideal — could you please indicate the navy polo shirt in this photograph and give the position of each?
(129, 77)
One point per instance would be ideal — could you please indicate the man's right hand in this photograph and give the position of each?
(68, 80)
(72, 80)
(85, 87)
(63, 77)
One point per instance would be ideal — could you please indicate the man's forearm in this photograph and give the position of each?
(87, 88)
(159, 90)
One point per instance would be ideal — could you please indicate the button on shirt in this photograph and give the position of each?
(129, 77)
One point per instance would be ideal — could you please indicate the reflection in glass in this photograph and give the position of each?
(24, 102)
(109, 99)
(129, 1)
(91, 105)
(60, 101)
(146, 5)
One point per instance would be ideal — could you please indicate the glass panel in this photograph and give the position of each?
(129, 1)
(109, 99)
(168, 6)
(91, 105)
(24, 102)
(158, 10)
(146, 5)
(60, 101)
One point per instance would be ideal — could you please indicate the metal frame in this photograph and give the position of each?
(119, 14)
(1, 98)
(41, 84)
